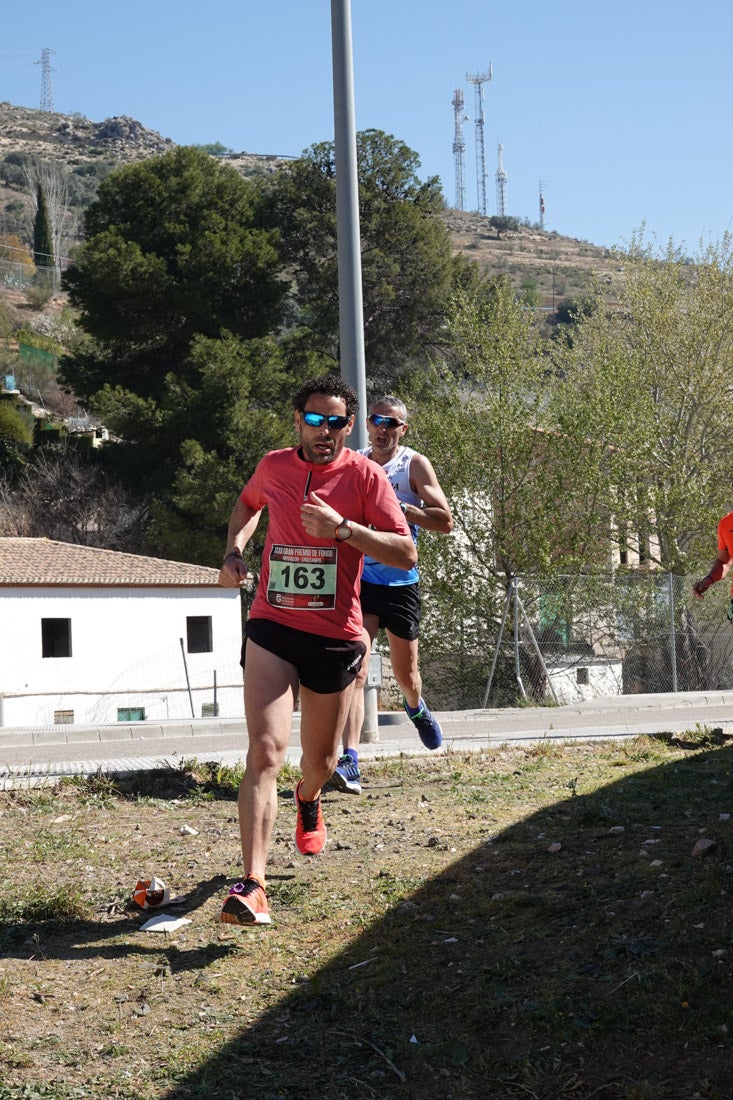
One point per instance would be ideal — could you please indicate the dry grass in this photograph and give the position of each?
(519, 923)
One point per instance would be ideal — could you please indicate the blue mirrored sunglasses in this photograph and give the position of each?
(316, 420)
(386, 421)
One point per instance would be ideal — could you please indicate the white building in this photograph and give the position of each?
(95, 637)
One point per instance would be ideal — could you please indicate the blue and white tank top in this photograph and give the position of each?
(398, 475)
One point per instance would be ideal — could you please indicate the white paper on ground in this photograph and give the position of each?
(163, 922)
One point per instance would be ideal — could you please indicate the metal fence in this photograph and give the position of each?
(22, 275)
(570, 638)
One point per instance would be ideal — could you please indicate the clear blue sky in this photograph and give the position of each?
(622, 110)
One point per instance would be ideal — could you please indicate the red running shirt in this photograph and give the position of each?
(725, 536)
(305, 582)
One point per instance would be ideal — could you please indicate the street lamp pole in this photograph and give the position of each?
(351, 310)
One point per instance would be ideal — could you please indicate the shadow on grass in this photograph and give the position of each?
(584, 952)
(91, 939)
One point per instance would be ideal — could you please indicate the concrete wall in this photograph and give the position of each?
(126, 653)
(576, 678)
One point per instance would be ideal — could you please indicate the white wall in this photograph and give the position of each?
(604, 679)
(126, 652)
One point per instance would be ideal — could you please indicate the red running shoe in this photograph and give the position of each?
(310, 829)
(246, 904)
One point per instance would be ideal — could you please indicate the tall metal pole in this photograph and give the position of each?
(672, 636)
(351, 310)
(479, 79)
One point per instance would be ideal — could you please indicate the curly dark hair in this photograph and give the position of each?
(332, 385)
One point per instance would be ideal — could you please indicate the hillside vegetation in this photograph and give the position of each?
(555, 267)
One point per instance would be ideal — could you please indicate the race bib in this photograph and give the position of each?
(303, 578)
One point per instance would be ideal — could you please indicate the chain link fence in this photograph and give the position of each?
(19, 275)
(570, 638)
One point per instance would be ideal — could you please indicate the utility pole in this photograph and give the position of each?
(46, 94)
(478, 80)
(351, 308)
(459, 148)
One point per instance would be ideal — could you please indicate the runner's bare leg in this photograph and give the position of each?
(270, 692)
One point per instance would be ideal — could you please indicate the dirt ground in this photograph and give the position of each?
(479, 925)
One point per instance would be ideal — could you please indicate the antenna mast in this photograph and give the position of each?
(478, 80)
(501, 178)
(459, 148)
(46, 94)
(542, 206)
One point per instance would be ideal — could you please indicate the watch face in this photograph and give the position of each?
(343, 531)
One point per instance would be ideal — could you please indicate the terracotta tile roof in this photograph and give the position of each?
(45, 562)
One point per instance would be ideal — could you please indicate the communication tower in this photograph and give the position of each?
(478, 80)
(542, 205)
(459, 148)
(501, 179)
(46, 94)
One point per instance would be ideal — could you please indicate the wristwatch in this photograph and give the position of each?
(344, 531)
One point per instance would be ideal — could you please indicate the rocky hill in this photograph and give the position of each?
(559, 268)
(73, 139)
(553, 267)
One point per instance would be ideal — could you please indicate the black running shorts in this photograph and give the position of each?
(397, 606)
(324, 665)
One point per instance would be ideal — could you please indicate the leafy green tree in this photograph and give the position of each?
(570, 312)
(522, 494)
(220, 420)
(178, 286)
(191, 449)
(173, 251)
(504, 223)
(408, 271)
(492, 424)
(16, 439)
(214, 149)
(530, 292)
(650, 382)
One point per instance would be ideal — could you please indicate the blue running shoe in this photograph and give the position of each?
(429, 729)
(347, 777)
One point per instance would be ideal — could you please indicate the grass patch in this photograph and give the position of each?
(517, 922)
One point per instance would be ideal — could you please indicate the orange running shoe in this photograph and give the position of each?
(310, 829)
(246, 904)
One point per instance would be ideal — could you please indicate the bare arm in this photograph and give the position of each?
(242, 525)
(435, 513)
(719, 569)
(320, 520)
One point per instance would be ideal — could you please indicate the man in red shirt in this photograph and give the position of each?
(722, 561)
(327, 507)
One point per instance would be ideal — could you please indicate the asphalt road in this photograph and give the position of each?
(44, 754)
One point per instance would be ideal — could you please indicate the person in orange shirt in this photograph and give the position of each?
(721, 563)
(327, 507)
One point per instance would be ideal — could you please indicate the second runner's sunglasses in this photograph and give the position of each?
(385, 421)
(316, 420)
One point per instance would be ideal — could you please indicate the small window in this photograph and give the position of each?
(198, 633)
(131, 714)
(63, 718)
(581, 676)
(56, 637)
